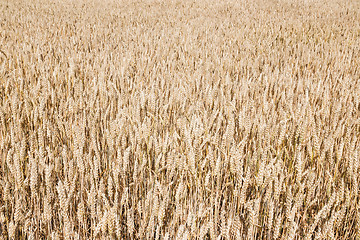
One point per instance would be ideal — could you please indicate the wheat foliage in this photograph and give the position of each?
(194, 119)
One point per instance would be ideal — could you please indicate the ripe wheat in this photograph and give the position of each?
(194, 119)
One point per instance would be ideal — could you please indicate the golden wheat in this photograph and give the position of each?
(194, 119)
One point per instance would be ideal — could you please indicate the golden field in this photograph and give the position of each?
(194, 119)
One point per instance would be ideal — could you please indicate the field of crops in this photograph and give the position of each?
(179, 119)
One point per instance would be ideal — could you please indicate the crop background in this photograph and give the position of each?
(185, 119)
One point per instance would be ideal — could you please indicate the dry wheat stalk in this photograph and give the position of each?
(166, 119)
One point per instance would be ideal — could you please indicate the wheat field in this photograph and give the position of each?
(192, 119)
